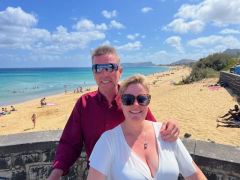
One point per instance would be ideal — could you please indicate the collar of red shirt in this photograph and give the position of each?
(103, 100)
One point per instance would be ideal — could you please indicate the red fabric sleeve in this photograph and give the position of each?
(150, 116)
(71, 141)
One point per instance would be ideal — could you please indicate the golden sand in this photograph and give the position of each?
(195, 106)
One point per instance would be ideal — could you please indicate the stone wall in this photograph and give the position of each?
(232, 81)
(29, 156)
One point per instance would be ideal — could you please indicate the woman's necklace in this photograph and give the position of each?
(145, 145)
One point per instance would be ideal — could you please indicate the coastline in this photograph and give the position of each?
(195, 106)
(25, 84)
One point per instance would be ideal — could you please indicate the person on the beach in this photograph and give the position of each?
(34, 117)
(3, 111)
(134, 149)
(231, 111)
(65, 89)
(80, 89)
(13, 108)
(6, 111)
(233, 119)
(235, 116)
(233, 122)
(96, 112)
(43, 102)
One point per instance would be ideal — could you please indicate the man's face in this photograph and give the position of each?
(105, 80)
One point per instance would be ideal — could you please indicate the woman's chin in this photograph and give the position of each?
(136, 118)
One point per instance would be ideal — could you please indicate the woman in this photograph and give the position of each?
(134, 149)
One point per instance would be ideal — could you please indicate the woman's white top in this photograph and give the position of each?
(113, 157)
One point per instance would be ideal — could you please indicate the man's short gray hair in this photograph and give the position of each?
(104, 50)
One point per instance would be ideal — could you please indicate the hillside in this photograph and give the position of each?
(210, 66)
(232, 52)
(138, 64)
(183, 62)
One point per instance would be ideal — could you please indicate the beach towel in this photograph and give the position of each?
(214, 88)
(51, 104)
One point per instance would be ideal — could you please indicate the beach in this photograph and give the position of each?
(195, 106)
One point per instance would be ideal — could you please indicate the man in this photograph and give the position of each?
(231, 111)
(96, 112)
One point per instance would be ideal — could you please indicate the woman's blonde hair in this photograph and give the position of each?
(135, 79)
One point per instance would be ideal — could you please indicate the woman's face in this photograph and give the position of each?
(135, 111)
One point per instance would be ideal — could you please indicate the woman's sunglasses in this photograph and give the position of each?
(129, 99)
(97, 68)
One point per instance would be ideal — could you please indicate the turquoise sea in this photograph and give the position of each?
(22, 84)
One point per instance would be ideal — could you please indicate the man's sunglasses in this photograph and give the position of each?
(129, 99)
(97, 68)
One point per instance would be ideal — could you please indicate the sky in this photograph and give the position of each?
(53, 33)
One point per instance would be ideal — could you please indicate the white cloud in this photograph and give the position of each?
(17, 32)
(107, 42)
(102, 27)
(131, 46)
(217, 12)
(116, 25)
(16, 17)
(133, 36)
(146, 9)
(215, 41)
(17, 29)
(74, 40)
(181, 26)
(109, 14)
(175, 41)
(85, 25)
(230, 31)
(159, 56)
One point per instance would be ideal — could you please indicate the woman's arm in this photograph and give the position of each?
(101, 158)
(198, 175)
(93, 174)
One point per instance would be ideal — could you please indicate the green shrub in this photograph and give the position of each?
(210, 67)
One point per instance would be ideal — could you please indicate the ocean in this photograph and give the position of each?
(22, 84)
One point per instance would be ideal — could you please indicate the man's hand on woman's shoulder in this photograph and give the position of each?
(170, 130)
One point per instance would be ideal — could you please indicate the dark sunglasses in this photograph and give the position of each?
(129, 99)
(97, 68)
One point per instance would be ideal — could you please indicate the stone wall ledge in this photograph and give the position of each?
(30, 138)
(195, 147)
(30, 155)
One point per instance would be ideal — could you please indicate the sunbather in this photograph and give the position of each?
(3, 112)
(231, 111)
(233, 123)
(233, 116)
